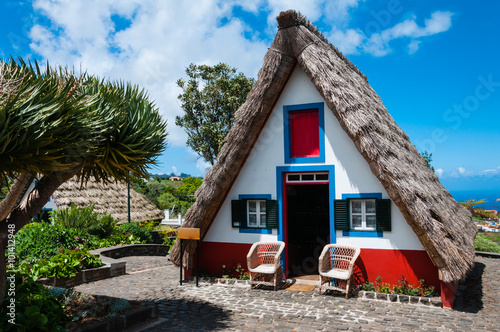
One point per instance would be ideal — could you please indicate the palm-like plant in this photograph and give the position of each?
(56, 124)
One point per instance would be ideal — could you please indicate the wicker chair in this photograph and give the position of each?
(336, 264)
(264, 263)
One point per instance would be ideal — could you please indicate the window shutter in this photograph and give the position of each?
(383, 215)
(238, 213)
(271, 213)
(341, 215)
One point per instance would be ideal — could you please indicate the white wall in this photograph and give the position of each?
(352, 174)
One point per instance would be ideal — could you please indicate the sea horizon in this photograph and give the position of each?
(491, 195)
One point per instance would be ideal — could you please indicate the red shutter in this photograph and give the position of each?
(304, 134)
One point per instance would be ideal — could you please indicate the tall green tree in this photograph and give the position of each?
(209, 99)
(55, 124)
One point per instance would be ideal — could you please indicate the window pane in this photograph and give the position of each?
(356, 221)
(262, 206)
(322, 177)
(293, 177)
(371, 221)
(356, 206)
(252, 220)
(370, 206)
(307, 177)
(304, 133)
(263, 220)
(252, 206)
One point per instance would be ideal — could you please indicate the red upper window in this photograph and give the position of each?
(304, 133)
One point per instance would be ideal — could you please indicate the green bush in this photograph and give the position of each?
(486, 245)
(64, 265)
(37, 241)
(86, 220)
(35, 308)
(136, 230)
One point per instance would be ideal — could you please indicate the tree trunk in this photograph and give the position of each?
(8, 203)
(24, 212)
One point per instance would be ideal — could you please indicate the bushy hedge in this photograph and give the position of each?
(136, 230)
(486, 245)
(37, 241)
(85, 220)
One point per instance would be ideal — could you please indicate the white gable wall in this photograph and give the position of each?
(352, 174)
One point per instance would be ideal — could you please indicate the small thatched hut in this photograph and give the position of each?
(315, 158)
(110, 197)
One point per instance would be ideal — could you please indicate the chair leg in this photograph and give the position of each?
(347, 288)
(275, 279)
(320, 284)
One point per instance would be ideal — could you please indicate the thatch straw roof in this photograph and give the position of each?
(444, 227)
(110, 197)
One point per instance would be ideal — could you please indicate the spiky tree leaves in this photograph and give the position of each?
(55, 124)
(209, 99)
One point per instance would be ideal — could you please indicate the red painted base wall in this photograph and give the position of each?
(390, 264)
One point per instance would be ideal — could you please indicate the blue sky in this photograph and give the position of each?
(435, 64)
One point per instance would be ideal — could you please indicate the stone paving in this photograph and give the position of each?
(238, 308)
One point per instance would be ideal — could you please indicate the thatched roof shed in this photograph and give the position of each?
(444, 228)
(110, 197)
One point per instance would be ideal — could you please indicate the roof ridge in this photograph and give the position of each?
(293, 18)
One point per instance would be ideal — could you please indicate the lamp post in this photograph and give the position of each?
(128, 200)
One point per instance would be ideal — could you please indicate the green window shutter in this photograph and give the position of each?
(271, 213)
(341, 214)
(383, 215)
(239, 213)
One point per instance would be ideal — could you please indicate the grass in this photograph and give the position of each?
(485, 244)
(495, 237)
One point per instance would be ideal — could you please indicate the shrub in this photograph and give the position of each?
(75, 217)
(86, 220)
(37, 241)
(486, 245)
(64, 265)
(136, 230)
(36, 309)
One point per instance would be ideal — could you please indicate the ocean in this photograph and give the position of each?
(490, 195)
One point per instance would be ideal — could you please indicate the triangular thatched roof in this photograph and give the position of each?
(444, 227)
(110, 197)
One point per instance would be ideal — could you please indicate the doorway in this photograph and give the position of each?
(307, 226)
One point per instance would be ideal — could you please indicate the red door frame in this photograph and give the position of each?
(285, 208)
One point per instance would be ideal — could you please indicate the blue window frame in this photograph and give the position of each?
(361, 196)
(255, 230)
(287, 109)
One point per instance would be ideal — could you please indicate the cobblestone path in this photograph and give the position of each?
(237, 308)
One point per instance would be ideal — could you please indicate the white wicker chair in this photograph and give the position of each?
(264, 263)
(336, 264)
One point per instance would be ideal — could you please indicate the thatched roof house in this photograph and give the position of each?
(110, 197)
(443, 227)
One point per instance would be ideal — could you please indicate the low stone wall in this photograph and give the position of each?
(85, 276)
(112, 267)
(407, 299)
(132, 250)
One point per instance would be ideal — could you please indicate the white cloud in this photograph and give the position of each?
(439, 172)
(163, 38)
(414, 46)
(461, 170)
(174, 169)
(203, 166)
(377, 43)
(347, 41)
(490, 172)
(338, 11)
